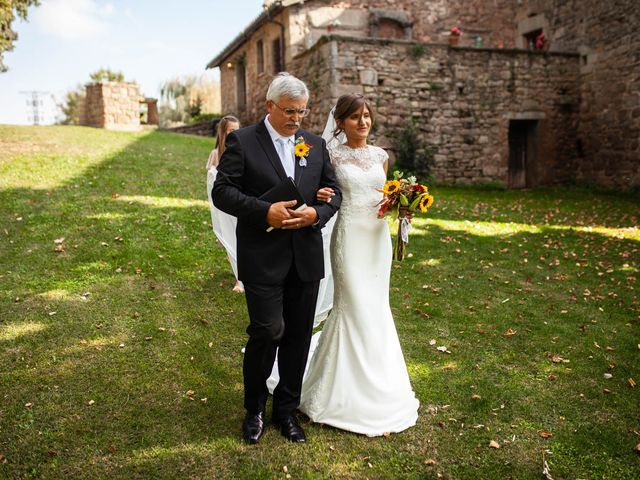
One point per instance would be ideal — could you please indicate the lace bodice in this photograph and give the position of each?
(360, 174)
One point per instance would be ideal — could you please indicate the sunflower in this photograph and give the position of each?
(425, 203)
(301, 149)
(392, 186)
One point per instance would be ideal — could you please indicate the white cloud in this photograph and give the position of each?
(73, 19)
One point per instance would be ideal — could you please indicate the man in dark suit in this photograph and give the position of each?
(281, 269)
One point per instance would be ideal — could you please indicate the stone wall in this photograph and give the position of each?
(607, 37)
(431, 20)
(584, 93)
(461, 99)
(112, 105)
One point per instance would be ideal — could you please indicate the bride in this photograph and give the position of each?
(357, 379)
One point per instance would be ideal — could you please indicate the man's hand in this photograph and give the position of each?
(300, 219)
(325, 194)
(279, 212)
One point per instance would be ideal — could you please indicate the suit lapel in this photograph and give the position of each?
(264, 139)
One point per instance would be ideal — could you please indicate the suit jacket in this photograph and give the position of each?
(248, 168)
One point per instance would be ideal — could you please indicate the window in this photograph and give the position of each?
(260, 53)
(241, 85)
(389, 28)
(530, 39)
(276, 47)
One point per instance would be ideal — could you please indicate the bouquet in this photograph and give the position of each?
(401, 196)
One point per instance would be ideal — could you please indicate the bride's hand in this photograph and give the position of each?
(325, 194)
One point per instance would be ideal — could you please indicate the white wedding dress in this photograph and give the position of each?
(356, 378)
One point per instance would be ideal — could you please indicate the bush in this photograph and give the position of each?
(205, 117)
(413, 156)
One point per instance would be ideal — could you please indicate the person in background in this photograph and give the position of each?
(224, 225)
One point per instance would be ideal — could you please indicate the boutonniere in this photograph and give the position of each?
(301, 150)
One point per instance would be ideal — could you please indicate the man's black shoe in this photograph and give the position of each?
(253, 427)
(290, 429)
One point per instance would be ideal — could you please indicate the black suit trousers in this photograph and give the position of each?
(280, 315)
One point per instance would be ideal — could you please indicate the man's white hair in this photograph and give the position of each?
(286, 85)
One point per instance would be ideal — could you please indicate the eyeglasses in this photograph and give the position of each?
(290, 112)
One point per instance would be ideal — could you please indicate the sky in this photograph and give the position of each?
(149, 41)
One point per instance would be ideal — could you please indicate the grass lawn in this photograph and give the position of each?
(120, 336)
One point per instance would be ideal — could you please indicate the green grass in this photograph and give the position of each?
(101, 341)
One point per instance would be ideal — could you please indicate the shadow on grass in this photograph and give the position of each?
(126, 342)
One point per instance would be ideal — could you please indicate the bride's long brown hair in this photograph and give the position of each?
(346, 105)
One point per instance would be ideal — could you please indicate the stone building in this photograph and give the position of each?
(116, 106)
(502, 106)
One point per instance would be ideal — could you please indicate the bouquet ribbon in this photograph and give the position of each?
(405, 228)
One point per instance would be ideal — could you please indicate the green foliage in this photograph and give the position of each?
(120, 337)
(8, 11)
(106, 75)
(185, 98)
(205, 117)
(412, 153)
(70, 106)
(417, 50)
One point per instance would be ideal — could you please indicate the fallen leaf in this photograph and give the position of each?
(285, 469)
(606, 390)
(637, 449)
(190, 393)
(632, 382)
(545, 434)
(432, 342)
(494, 444)
(51, 452)
(510, 333)
(91, 402)
(430, 461)
(608, 376)
(476, 396)
(28, 405)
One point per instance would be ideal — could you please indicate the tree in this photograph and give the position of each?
(183, 98)
(106, 75)
(71, 105)
(8, 11)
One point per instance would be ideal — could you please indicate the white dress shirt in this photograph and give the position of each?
(284, 147)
